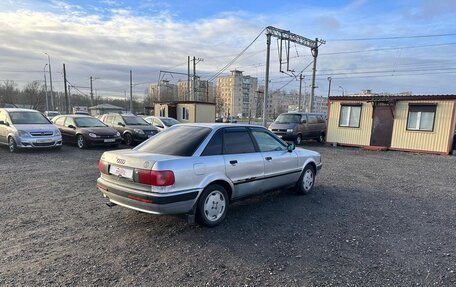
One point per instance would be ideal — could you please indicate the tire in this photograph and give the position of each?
(12, 145)
(306, 180)
(128, 138)
(321, 138)
(212, 206)
(81, 142)
(298, 139)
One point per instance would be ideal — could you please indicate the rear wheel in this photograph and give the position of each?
(12, 145)
(321, 138)
(82, 144)
(128, 139)
(298, 139)
(307, 180)
(212, 205)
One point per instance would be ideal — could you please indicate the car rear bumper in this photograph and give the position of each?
(173, 203)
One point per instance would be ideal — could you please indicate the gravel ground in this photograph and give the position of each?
(374, 219)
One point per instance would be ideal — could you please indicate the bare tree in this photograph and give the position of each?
(33, 95)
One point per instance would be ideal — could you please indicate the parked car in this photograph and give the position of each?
(24, 128)
(297, 126)
(85, 131)
(161, 123)
(133, 129)
(51, 114)
(199, 169)
(229, 120)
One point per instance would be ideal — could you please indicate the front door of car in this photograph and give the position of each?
(244, 165)
(69, 130)
(280, 166)
(3, 127)
(303, 127)
(119, 124)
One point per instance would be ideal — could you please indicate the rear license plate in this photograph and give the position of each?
(44, 141)
(121, 171)
(109, 140)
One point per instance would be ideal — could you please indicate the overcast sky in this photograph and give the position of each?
(107, 38)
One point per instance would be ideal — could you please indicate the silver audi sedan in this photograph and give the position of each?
(199, 169)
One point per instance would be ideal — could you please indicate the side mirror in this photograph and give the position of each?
(72, 127)
(291, 147)
(303, 122)
(160, 126)
(120, 124)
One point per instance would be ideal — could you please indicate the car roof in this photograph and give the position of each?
(20, 110)
(222, 125)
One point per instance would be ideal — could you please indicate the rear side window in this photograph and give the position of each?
(320, 119)
(178, 140)
(214, 147)
(237, 140)
(312, 119)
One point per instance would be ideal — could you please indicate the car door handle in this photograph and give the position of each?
(268, 158)
(233, 162)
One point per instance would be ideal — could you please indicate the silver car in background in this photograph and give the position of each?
(161, 123)
(199, 169)
(24, 129)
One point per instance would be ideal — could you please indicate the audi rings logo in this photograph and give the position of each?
(120, 161)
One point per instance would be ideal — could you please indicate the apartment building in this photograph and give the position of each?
(163, 91)
(236, 94)
(204, 91)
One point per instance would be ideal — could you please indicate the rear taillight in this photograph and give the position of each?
(101, 166)
(156, 177)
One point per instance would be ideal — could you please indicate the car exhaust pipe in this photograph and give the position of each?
(110, 204)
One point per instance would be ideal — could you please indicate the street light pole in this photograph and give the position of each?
(91, 92)
(329, 86)
(45, 88)
(131, 92)
(343, 90)
(301, 77)
(50, 82)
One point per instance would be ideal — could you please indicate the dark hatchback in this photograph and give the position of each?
(133, 129)
(85, 131)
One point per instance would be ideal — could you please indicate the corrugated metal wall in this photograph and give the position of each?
(436, 141)
(346, 135)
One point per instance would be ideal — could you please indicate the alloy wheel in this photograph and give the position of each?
(214, 205)
(308, 180)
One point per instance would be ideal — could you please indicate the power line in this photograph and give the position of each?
(392, 38)
(386, 49)
(235, 58)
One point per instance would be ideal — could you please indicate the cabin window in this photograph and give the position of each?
(421, 118)
(185, 114)
(350, 116)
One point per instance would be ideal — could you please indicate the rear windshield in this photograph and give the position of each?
(28, 118)
(178, 140)
(134, 121)
(288, 119)
(170, 122)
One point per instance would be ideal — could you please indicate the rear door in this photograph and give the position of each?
(280, 166)
(314, 127)
(244, 165)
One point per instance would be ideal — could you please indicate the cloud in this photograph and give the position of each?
(108, 41)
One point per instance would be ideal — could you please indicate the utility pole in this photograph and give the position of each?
(67, 111)
(314, 52)
(69, 95)
(131, 92)
(50, 82)
(329, 86)
(194, 80)
(91, 92)
(45, 88)
(266, 84)
(301, 77)
(188, 80)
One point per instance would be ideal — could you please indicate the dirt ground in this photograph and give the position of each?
(374, 219)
